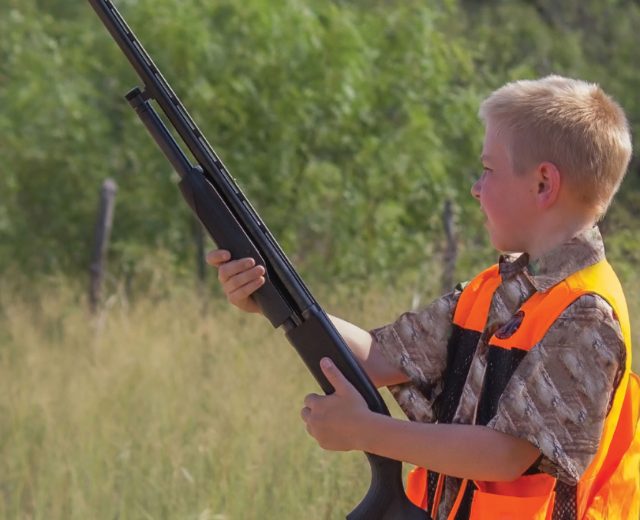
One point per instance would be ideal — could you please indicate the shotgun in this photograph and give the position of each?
(233, 224)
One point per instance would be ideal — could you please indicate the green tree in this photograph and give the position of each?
(348, 123)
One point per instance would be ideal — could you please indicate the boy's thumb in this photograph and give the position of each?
(335, 377)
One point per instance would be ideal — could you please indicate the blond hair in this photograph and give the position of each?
(568, 122)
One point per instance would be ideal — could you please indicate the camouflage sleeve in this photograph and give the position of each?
(561, 393)
(417, 344)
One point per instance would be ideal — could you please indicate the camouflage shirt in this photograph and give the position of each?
(577, 365)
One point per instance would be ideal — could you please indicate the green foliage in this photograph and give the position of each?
(348, 123)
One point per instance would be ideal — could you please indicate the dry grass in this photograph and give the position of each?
(168, 411)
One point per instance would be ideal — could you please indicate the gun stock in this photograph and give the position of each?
(233, 224)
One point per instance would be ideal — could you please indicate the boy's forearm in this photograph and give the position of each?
(379, 370)
(459, 450)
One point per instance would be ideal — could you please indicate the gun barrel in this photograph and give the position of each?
(160, 133)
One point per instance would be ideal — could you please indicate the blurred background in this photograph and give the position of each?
(352, 127)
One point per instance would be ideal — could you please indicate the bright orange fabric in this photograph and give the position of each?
(486, 506)
(526, 486)
(610, 487)
(417, 487)
(473, 305)
(614, 492)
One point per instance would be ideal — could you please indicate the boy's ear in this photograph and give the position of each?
(548, 180)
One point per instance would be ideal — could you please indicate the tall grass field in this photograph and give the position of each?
(166, 408)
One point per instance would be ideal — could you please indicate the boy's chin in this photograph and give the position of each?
(505, 248)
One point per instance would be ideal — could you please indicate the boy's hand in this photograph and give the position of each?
(239, 278)
(337, 420)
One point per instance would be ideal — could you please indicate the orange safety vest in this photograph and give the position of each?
(610, 486)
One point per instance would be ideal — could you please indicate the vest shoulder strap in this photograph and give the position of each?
(542, 309)
(473, 305)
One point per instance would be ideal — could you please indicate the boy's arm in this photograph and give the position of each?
(342, 421)
(240, 278)
(459, 450)
(378, 368)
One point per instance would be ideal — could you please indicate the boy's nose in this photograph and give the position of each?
(475, 189)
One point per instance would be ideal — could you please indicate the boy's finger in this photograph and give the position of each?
(245, 291)
(305, 413)
(218, 256)
(229, 269)
(335, 377)
(243, 278)
(311, 400)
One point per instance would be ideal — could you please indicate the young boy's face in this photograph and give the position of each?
(506, 198)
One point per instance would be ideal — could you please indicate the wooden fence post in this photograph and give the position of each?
(101, 242)
(450, 255)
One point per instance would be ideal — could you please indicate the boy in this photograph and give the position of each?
(515, 383)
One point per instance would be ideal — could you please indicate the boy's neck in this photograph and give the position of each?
(551, 237)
